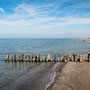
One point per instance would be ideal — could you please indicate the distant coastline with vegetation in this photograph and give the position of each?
(85, 39)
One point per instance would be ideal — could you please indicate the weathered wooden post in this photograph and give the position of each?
(12, 57)
(73, 57)
(9, 57)
(47, 58)
(81, 58)
(84, 57)
(51, 60)
(22, 57)
(88, 57)
(55, 58)
(6, 57)
(68, 57)
(26, 58)
(61, 58)
(43, 59)
(65, 58)
(78, 55)
(15, 57)
(40, 57)
(30, 58)
(58, 60)
(37, 58)
(33, 58)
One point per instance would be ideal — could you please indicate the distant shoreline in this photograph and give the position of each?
(84, 39)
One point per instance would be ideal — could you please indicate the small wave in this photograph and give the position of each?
(54, 69)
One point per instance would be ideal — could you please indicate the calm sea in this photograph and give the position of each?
(44, 46)
(33, 76)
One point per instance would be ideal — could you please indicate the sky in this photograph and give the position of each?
(44, 18)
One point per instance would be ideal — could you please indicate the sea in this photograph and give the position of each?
(31, 75)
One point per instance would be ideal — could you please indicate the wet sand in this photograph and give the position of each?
(37, 78)
(73, 76)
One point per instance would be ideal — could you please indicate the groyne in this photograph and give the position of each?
(76, 57)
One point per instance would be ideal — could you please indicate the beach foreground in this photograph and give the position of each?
(73, 76)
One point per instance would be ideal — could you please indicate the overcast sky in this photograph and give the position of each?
(44, 18)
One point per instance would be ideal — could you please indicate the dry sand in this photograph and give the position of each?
(73, 76)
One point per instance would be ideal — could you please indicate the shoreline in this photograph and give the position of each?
(73, 76)
(58, 72)
(84, 39)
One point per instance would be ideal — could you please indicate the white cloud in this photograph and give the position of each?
(38, 18)
(2, 10)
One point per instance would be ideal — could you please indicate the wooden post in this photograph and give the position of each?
(74, 57)
(37, 58)
(9, 57)
(78, 57)
(26, 58)
(81, 58)
(30, 58)
(40, 57)
(12, 57)
(47, 58)
(61, 58)
(33, 58)
(68, 57)
(58, 60)
(15, 57)
(6, 57)
(88, 57)
(43, 59)
(55, 58)
(23, 57)
(71, 57)
(50, 60)
(20, 58)
(65, 58)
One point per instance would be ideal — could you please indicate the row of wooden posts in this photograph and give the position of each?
(39, 58)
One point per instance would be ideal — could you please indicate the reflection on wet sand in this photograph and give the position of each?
(17, 75)
(26, 63)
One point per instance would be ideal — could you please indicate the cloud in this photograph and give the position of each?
(38, 19)
(2, 10)
(34, 11)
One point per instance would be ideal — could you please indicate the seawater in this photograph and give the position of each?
(44, 46)
(30, 75)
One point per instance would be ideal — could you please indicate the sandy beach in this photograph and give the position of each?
(85, 39)
(73, 76)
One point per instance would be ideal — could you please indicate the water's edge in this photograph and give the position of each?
(54, 69)
(58, 69)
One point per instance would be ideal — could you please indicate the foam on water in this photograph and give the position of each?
(54, 75)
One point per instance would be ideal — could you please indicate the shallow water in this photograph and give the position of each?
(33, 76)
(26, 76)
